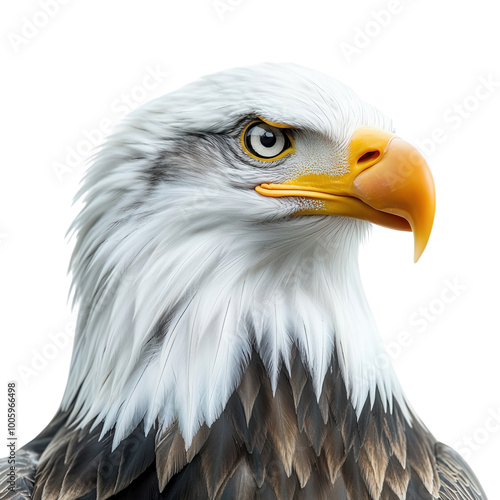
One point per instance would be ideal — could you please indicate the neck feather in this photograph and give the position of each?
(167, 329)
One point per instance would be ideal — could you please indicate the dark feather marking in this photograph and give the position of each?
(324, 404)
(388, 494)
(241, 484)
(79, 477)
(265, 493)
(282, 485)
(339, 489)
(417, 490)
(249, 389)
(315, 427)
(91, 465)
(365, 421)
(318, 487)
(394, 431)
(257, 463)
(145, 487)
(333, 454)
(27, 461)
(220, 452)
(298, 379)
(198, 442)
(170, 454)
(375, 418)
(51, 470)
(303, 409)
(24, 476)
(240, 423)
(355, 485)
(188, 484)
(421, 459)
(43, 439)
(349, 429)
(283, 432)
(396, 478)
(255, 449)
(259, 421)
(303, 460)
(158, 171)
(456, 476)
(373, 462)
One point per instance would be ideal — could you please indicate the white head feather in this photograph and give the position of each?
(180, 265)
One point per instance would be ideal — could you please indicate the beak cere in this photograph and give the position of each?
(388, 183)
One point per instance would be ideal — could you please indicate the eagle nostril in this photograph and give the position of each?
(369, 157)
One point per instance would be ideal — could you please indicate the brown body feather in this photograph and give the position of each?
(265, 445)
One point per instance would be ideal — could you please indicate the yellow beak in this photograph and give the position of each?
(388, 183)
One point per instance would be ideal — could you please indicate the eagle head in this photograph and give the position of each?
(225, 217)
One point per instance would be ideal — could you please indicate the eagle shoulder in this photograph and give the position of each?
(456, 477)
(24, 469)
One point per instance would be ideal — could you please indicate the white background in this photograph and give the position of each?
(421, 64)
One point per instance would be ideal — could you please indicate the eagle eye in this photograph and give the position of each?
(265, 142)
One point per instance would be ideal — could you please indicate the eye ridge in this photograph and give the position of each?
(265, 142)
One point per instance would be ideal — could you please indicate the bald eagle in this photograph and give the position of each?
(224, 345)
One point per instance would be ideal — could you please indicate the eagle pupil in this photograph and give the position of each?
(268, 139)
